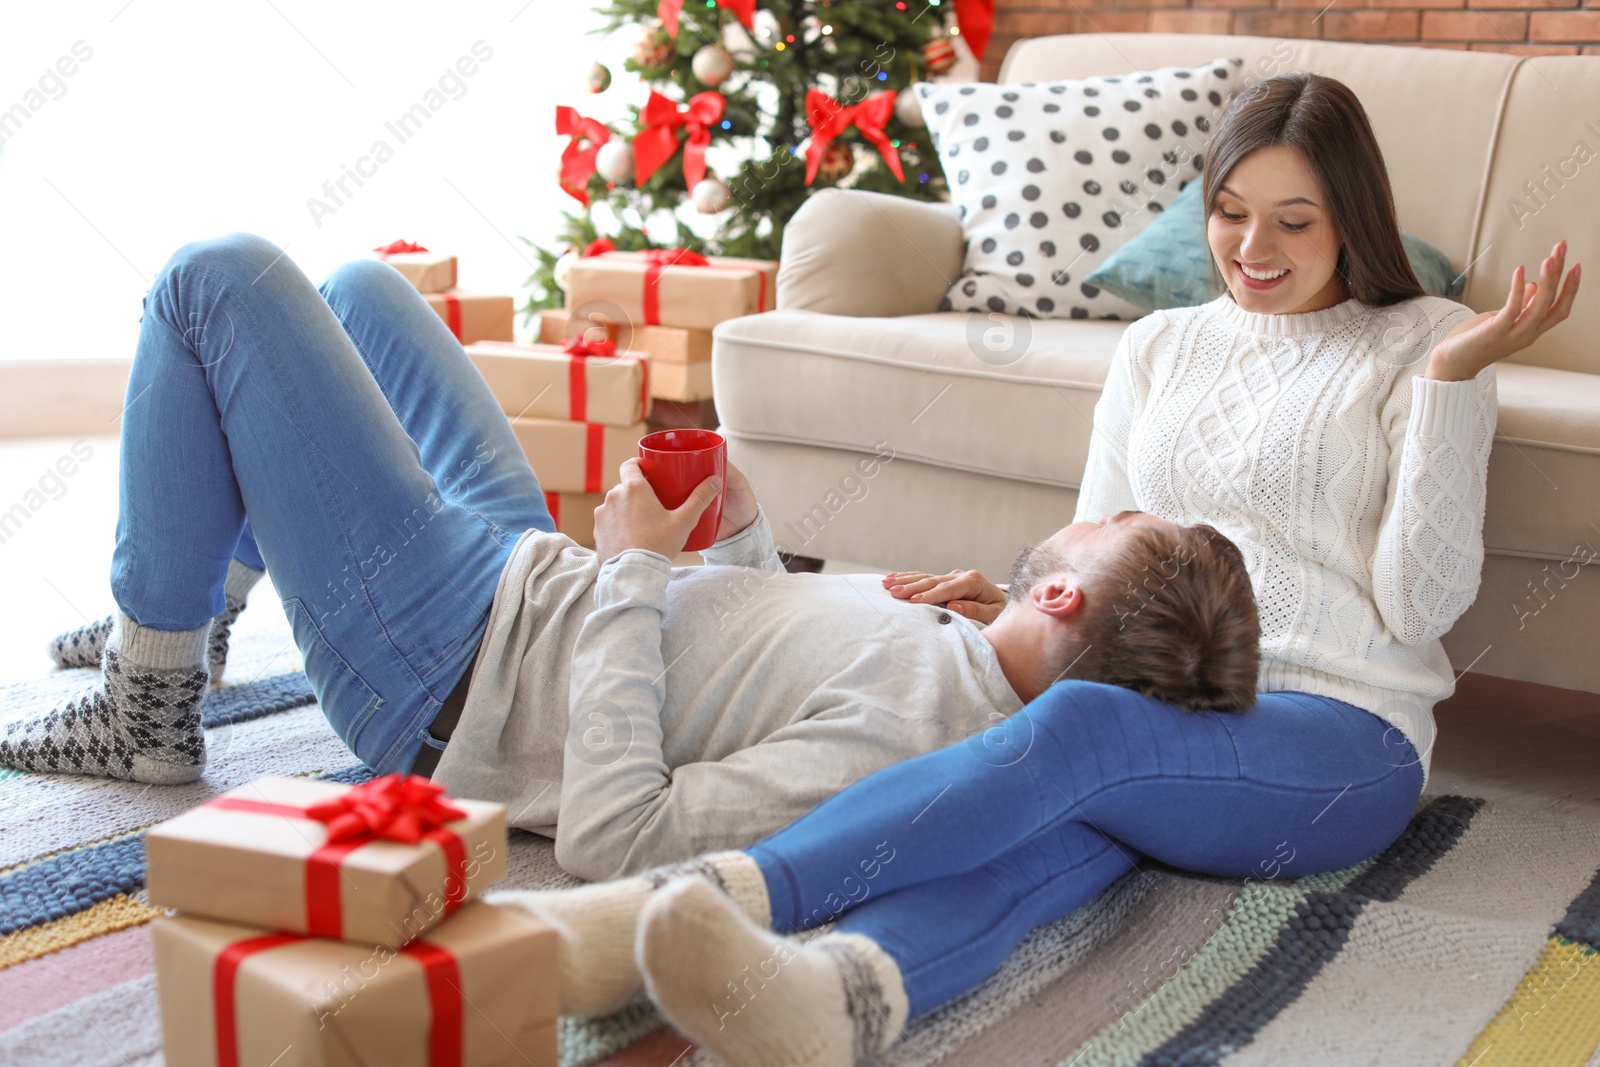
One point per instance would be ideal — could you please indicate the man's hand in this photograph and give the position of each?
(738, 504)
(632, 516)
(967, 593)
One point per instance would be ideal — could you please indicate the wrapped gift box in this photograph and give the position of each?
(474, 316)
(257, 855)
(574, 514)
(429, 272)
(663, 344)
(681, 381)
(479, 990)
(576, 457)
(683, 415)
(543, 381)
(625, 287)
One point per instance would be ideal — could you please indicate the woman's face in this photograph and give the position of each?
(1271, 215)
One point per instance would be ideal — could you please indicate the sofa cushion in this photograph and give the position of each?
(958, 391)
(949, 388)
(1051, 178)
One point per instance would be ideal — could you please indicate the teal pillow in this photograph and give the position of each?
(1168, 265)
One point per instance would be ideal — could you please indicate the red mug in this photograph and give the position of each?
(674, 462)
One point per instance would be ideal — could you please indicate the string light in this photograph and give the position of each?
(827, 29)
(883, 76)
(727, 125)
(779, 47)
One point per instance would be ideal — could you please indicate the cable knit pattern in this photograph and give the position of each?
(1353, 485)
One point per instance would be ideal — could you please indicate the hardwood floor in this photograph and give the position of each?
(1499, 740)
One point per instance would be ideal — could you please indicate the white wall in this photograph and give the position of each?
(192, 119)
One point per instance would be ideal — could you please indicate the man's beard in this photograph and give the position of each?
(1033, 564)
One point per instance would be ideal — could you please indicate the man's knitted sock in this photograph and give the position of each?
(597, 924)
(141, 721)
(760, 1000)
(85, 646)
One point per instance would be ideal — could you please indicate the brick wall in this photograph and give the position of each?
(1526, 27)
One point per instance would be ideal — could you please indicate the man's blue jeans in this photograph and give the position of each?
(948, 859)
(382, 482)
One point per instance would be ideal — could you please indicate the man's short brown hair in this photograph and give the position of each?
(1174, 617)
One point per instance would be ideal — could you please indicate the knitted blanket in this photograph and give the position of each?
(1471, 940)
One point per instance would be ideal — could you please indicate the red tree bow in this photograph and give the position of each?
(582, 346)
(745, 10)
(402, 245)
(397, 807)
(828, 120)
(654, 145)
(976, 19)
(577, 164)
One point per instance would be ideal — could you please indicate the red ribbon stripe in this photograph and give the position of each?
(224, 986)
(593, 457)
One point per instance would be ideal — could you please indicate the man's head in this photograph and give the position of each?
(1141, 602)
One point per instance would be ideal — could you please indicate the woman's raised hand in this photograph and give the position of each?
(1531, 309)
(967, 593)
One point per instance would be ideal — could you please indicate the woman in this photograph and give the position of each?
(1326, 415)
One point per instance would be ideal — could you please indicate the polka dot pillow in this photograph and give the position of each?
(1052, 177)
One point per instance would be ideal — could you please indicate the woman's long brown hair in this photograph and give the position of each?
(1321, 118)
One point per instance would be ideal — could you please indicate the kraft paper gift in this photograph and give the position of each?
(633, 287)
(574, 514)
(576, 457)
(548, 382)
(474, 316)
(662, 344)
(261, 855)
(480, 990)
(682, 381)
(428, 272)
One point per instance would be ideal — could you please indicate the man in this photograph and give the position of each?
(710, 706)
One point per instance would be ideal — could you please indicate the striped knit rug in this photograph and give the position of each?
(1472, 940)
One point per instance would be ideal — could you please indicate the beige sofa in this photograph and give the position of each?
(875, 434)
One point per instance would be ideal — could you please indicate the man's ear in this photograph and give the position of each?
(1058, 596)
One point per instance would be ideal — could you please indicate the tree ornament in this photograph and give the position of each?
(599, 78)
(838, 160)
(736, 41)
(655, 50)
(939, 55)
(614, 161)
(711, 65)
(563, 268)
(710, 196)
(908, 107)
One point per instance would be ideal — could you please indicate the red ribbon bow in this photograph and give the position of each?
(658, 140)
(578, 164)
(398, 807)
(829, 119)
(579, 345)
(745, 10)
(598, 247)
(396, 247)
(976, 20)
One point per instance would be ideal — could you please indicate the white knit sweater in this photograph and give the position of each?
(1353, 485)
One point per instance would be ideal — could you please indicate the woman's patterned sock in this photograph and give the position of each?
(85, 646)
(760, 1000)
(140, 722)
(598, 924)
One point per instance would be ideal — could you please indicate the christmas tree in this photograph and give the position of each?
(799, 95)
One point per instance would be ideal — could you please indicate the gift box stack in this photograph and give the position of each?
(470, 316)
(578, 410)
(328, 924)
(663, 304)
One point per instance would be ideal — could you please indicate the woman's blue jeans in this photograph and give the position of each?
(383, 485)
(947, 860)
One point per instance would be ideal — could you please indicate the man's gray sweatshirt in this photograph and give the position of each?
(641, 713)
